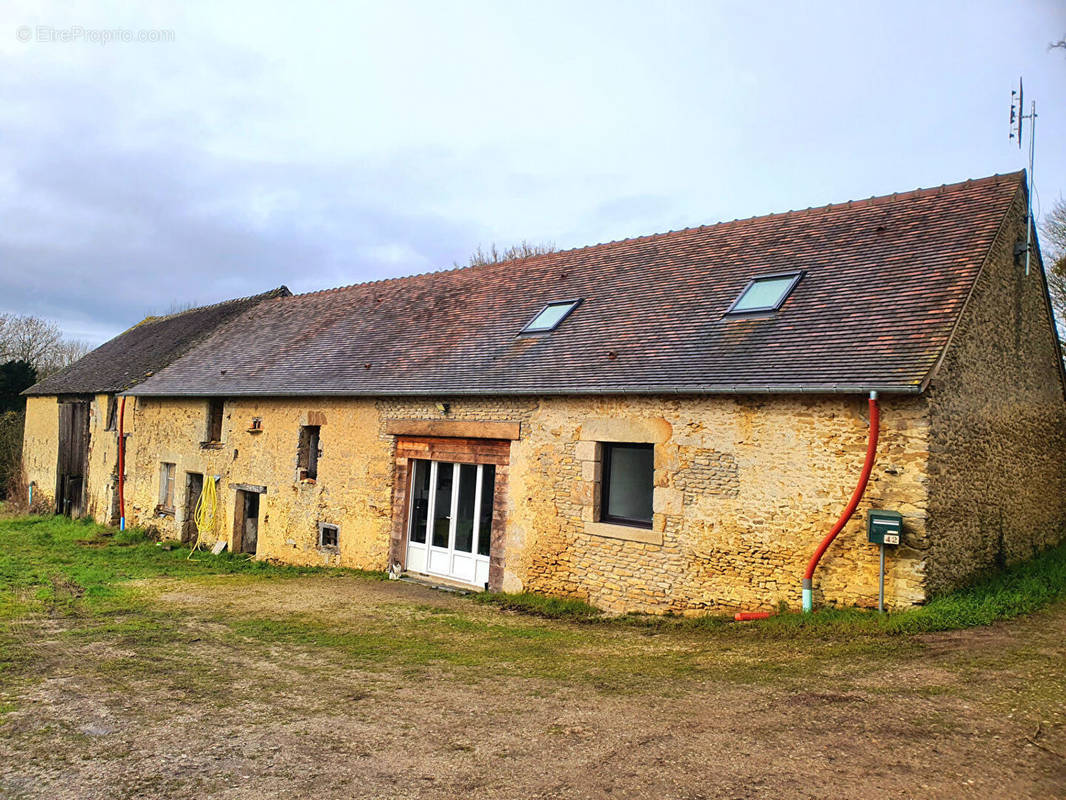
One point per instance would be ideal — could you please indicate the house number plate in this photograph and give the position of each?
(891, 538)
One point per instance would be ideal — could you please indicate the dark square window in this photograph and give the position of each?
(309, 451)
(628, 480)
(328, 535)
(112, 409)
(215, 407)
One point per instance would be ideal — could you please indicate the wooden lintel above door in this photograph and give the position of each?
(454, 428)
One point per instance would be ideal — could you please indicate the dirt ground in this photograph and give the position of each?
(345, 687)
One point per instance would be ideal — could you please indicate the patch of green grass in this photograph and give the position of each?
(541, 605)
(78, 576)
(1020, 589)
(65, 562)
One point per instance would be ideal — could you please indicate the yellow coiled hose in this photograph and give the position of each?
(204, 513)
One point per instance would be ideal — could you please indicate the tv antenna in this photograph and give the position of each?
(1017, 128)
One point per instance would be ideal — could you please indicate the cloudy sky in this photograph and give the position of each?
(316, 146)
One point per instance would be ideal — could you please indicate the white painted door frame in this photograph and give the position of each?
(447, 561)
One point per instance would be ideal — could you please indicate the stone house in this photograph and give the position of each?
(70, 447)
(665, 423)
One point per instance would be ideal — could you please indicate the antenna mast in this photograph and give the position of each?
(1017, 125)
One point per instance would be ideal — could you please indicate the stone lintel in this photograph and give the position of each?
(249, 487)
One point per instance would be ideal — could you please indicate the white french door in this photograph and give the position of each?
(450, 520)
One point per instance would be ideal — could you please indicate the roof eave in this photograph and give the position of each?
(555, 391)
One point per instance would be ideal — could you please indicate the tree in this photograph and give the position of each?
(61, 355)
(493, 256)
(38, 342)
(15, 377)
(1054, 234)
(31, 348)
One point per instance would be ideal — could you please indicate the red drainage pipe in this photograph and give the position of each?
(867, 467)
(747, 616)
(121, 465)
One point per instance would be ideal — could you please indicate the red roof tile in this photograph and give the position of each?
(884, 282)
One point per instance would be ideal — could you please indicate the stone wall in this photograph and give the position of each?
(352, 489)
(40, 447)
(745, 489)
(997, 462)
(40, 454)
(102, 484)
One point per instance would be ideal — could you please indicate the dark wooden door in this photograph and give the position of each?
(73, 464)
(193, 488)
(250, 535)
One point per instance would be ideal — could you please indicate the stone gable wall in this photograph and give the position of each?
(40, 447)
(997, 461)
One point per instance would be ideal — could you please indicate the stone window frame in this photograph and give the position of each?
(329, 548)
(607, 468)
(112, 413)
(308, 453)
(168, 471)
(215, 415)
(593, 434)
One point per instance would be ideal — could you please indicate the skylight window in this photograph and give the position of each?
(766, 293)
(551, 316)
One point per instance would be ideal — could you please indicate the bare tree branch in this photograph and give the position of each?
(37, 342)
(1053, 232)
(495, 256)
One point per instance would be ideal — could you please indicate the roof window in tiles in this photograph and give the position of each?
(551, 316)
(765, 293)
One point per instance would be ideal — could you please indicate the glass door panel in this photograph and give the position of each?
(442, 514)
(488, 487)
(450, 527)
(464, 518)
(419, 501)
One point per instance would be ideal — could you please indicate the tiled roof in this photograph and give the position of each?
(145, 349)
(884, 282)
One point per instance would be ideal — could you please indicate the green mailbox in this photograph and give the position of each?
(884, 527)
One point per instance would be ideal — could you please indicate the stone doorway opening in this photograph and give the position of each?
(246, 522)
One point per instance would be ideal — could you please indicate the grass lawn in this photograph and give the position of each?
(127, 669)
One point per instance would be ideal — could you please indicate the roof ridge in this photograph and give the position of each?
(874, 200)
(280, 291)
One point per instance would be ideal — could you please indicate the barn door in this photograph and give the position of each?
(250, 541)
(73, 462)
(246, 522)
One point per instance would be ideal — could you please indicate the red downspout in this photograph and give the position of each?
(867, 468)
(121, 465)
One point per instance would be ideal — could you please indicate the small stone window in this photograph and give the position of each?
(166, 487)
(328, 536)
(112, 409)
(628, 484)
(309, 452)
(215, 408)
